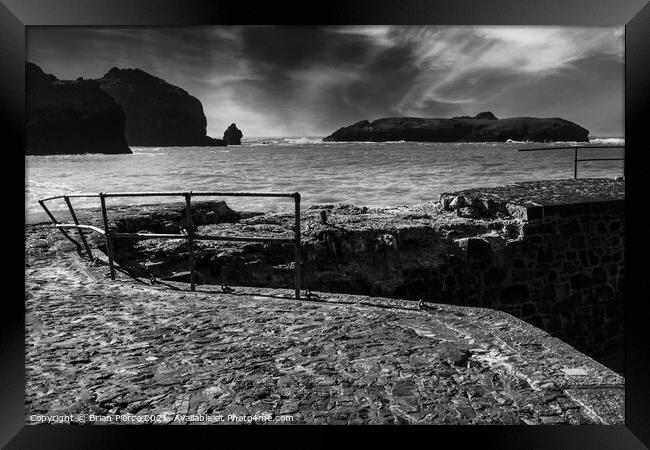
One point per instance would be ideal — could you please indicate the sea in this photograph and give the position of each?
(370, 174)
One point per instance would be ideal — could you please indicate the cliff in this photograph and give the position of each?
(484, 127)
(157, 113)
(69, 117)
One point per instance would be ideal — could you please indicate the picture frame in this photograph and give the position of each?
(16, 15)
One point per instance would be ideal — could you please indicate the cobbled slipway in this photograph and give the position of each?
(96, 346)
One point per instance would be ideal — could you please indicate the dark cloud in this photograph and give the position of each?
(383, 82)
(591, 88)
(312, 80)
(294, 48)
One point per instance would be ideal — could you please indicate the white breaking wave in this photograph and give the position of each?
(283, 142)
(303, 140)
(610, 141)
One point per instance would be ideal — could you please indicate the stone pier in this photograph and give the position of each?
(548, 252)
(349, 355)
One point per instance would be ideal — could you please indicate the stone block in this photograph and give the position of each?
(577, 242)
(478, 249)
(494, 276)
(515, 294)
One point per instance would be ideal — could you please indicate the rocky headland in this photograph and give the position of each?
(157, 113)
(68, 117)
(124, 107)
(484, 127)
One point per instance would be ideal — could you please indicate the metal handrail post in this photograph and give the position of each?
(297, 243)
(54, 221)
(81, 233)
(575, 154)
(107, 236)
(190, 237)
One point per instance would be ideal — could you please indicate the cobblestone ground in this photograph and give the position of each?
(102, 347)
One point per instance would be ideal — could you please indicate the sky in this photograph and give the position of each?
(310, 81)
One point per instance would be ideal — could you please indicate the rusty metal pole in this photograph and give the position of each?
(575, 164)
(190, 237)
(107, 235)
(54, 221)
(297, 243)
(81, 233)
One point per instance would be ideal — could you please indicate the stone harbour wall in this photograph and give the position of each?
(548, 252)
(564, 274)
(162, 354)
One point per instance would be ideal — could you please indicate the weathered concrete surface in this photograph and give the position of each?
(96, 346)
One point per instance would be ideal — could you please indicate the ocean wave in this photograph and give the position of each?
(611, 141)
(256, 142)
(304, 140)
(33, 186)
(310, 141)
(360, 173)
(145, 149)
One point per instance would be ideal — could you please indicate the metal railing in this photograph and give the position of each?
(575, 154)
(190, 236)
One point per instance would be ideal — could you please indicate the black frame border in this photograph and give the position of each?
(15, 15)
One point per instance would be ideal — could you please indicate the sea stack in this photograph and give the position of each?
(232, 135)
(157, 113)
(70, 117)
(484, 127)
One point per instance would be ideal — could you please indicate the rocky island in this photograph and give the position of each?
(232, 135)
(483, 127)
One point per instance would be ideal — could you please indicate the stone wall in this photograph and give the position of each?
(564, 274)
(563, 271)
